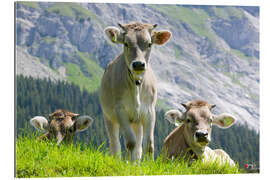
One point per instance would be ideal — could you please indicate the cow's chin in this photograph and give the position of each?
(201, 144)
(138, 74)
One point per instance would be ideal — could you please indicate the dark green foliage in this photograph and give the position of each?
(37, 97)
(41, 97)
(238, 141)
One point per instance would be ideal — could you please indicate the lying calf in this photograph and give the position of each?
(190, 139)
(62, 126)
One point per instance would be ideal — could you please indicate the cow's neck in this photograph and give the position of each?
(135, 84)
(136, 80)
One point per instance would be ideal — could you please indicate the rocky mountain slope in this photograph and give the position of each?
(212, 55)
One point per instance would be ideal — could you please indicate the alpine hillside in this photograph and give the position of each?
(213, 53)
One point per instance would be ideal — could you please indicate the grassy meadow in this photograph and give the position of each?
(36, 158)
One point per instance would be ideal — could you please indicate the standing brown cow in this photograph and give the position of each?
(128, 91)
(63, 125)
(191, 138)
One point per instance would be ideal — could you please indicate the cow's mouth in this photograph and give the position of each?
(204, 143)
(138, 67)
(138, 70)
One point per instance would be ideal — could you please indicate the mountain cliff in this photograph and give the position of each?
(213, 53)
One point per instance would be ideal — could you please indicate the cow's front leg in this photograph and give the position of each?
(113, 134)
(148, 133)
(129, 135)
(138, 129)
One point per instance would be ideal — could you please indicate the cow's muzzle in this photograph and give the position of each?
(138, 66)
(201, 137)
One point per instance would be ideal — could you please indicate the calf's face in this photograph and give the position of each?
(137, 39)
(198, 120)
(198, 123)
(63, 125)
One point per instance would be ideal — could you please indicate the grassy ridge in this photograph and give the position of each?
(29, 4)
(75, 73)
(73, 10)
(36, 158)
(195, 18)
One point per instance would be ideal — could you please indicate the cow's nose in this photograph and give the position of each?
(201, 135)
(138, 66)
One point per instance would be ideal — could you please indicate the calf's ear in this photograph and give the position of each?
(114, 34)
(39, 123)
(161, 37)
(224, 120)
(82, 123)
(174, 116)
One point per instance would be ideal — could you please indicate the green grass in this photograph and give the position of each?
(49, 40)
(228, 12)
(241, 55)
(194, 17)
(161, 104)
(30, 4)
(235, 79)
(35, 158)
(76, 75)
(72, 10)
(177, 53)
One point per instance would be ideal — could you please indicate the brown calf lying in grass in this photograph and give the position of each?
(62, 125)
(190, 139)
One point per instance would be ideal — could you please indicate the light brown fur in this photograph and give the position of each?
(128, 95)
(62, 125)
(195, 132)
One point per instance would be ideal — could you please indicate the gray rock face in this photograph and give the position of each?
(213, 53)
(28, 65)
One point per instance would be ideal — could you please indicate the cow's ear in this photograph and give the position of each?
(39, 123)
(161, 37)
(114, 34)
(74, 116)
(224, 120)
(174, 116)
(82, 123)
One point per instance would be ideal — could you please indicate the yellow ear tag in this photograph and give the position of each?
(155, 33)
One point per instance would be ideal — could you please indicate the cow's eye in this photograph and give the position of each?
(126, 44)
(188, 120)
(210, 120)
(149, 45)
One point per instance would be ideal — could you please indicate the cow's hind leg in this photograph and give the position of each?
(113, 134)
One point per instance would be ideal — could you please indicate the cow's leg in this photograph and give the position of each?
(138, 130)
(113, 133)
(148, 133)
(130, 140)
(128, 134)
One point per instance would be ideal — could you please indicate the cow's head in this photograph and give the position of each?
(62, 126)
(198, 120)
(137, 39)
